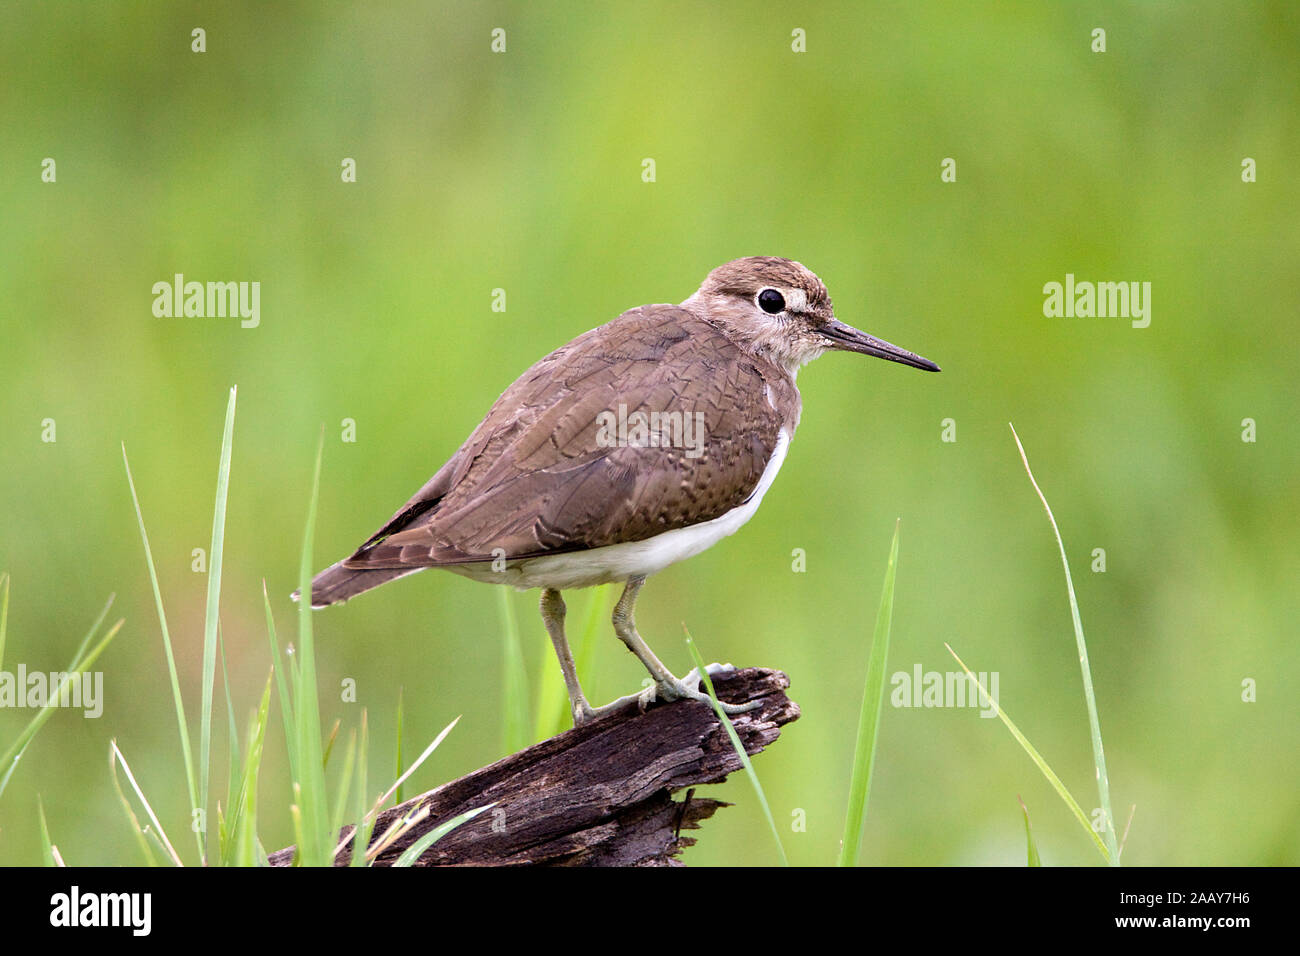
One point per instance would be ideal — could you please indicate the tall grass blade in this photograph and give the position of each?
(396, 830)
(873, 696)
(315, 843)
(413, 853)
(225, 826)
(736, 745)
(1036, 757)
(9, 770)
(1098, 752)
(47, 848)
(243, 824)
(11, 756)
(214, 610)
(365, 822)
(345, 784)
(282, 686)
(1029, 837)
(9, 761)
(136, 830)
(191, 778)
(115, 755)
(330, 738)
(418, 762)
(1123, 840)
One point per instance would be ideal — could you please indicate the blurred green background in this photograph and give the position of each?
(522, 171)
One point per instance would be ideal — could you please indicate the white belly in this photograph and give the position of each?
(618, 562)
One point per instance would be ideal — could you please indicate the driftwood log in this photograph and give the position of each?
(599, 795)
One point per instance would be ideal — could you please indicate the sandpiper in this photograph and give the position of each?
(637, 445)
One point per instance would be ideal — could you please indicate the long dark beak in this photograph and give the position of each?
(848, 339)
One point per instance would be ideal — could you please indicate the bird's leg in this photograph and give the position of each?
(553, 609)
(553, 617)
(665, 684)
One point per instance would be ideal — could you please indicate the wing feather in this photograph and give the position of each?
(533, 478)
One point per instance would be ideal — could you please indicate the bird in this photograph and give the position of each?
(637, 445)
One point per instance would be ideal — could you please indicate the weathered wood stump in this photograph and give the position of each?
(599, 795)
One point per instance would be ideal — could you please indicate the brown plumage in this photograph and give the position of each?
(538, 479)
(533, 480)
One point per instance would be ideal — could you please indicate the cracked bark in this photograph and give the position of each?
(599, 795)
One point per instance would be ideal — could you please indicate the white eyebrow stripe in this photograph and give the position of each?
(796, 300)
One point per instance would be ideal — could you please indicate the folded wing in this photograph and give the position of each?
(545, 472)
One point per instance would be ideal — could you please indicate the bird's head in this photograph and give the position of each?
(780, 309)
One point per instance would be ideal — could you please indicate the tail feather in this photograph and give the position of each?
(337, 584)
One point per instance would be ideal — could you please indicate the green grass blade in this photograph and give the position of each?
(213, 611)
(1037, 758)
(90, 634)
(330, 738)
(47, 848)
(115, 755)
(1123, 840)
(226, 833)
(9, 761)
(515, 730)
(15, 751)
(9, 769)
(365, 822)
(136, 830)
(221, 831)
(156, 844)
(345, 784)
(246, 843)
(737, 745)
(428, 751)
(191, 778)
(1094, 724)
(363, 853)
(1029, 837)
(282, 686)
(315, 847)
(873, 696)
(242, 829)
(416, 849)
(395, 830)
(295, 814)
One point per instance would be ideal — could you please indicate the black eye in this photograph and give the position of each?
(771, 301)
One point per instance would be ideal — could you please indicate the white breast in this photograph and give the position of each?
(618, 562)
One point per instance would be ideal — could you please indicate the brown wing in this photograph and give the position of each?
(538, 475)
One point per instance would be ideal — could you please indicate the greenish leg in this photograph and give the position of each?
(553, 617)
(665, 685)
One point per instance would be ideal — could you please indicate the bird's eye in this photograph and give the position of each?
(771, 301)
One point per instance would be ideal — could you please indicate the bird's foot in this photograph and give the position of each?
(584, 713)
(686, 688)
